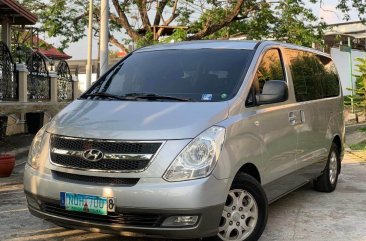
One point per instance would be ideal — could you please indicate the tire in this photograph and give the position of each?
(237, 216)
(327, 182)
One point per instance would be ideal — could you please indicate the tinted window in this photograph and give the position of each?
(199, 75)
(270, 68)
(314, 76)
(330, 80)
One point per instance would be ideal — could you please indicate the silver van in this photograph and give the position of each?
(190, 140)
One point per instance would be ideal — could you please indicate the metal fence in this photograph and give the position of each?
(8, 75)
(39, 80)
(65, 87)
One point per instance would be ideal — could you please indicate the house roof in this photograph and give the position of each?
(18, 14)
(355, 29)
(54, 53)
(49, 50)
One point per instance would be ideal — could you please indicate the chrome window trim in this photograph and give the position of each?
(162, 143)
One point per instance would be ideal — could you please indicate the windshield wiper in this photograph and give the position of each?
(104, 94)
(152, 96)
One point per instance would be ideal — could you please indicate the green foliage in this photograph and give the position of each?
(284, 20)
(146, 40)
(359, 97)
(177, 36)
(63, 18)
(363, 129)
(359, 146)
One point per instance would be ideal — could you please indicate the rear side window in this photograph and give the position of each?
(314, 76)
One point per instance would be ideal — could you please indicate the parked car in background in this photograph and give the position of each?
(190, 140)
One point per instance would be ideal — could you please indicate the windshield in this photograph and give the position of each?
(190, 75)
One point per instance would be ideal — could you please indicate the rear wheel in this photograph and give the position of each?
(327, 182)
(245, 212)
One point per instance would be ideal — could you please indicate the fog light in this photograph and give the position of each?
(32, 202)
(178, 221)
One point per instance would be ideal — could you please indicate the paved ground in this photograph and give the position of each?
(301, 215)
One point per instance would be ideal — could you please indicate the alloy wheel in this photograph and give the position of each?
(239, 217)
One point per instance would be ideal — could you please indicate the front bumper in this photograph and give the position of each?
(205, 227)
(203, 198)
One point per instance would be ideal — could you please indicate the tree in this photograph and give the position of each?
(288, 20)
(359, 97)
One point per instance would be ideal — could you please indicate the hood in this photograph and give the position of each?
(137, 120)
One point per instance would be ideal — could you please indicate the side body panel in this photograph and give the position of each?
(319, 118)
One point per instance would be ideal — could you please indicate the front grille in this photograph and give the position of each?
(128, 219)
(106, 146)
(83, 179)
(119, 156)
(104, 164)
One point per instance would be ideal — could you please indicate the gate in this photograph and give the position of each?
(8, 75)
(65, 87)
(39, 79)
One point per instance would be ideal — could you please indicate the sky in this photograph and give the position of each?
(328, 12)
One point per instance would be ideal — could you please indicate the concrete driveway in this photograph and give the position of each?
(301, 215)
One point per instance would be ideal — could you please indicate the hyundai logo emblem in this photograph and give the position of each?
(93, 155)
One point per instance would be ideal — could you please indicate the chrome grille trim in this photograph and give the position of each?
(112, 156)
(127, 157)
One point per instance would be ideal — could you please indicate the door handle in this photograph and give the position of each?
(292, 118)
(302, 114)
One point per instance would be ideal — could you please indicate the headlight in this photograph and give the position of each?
(198, 158)
(33, 156)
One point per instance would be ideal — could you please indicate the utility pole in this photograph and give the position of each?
(90, 44)
(104, 36)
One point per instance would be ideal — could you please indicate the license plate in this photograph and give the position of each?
(87, 203)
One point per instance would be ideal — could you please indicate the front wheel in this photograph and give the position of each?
(245, 212)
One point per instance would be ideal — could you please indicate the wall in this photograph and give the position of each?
(16, 112)
(82, 81)
(342, 62)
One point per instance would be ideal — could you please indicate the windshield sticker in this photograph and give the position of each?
(223, 96)
(206, 97)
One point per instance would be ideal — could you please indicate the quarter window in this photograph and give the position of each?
(314, 76)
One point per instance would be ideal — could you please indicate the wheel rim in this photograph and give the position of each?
(239, 217)
(333, 167)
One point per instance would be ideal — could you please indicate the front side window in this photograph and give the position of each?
(195, 74)
(314, 76)
(270, 68)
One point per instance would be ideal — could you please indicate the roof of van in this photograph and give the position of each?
(224, 44)
(199, 44)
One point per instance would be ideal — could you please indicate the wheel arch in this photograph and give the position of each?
(252, 170)
(337, 140)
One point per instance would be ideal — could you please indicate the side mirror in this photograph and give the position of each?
(274, 91)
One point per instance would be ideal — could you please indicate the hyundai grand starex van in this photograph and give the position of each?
(190, 140)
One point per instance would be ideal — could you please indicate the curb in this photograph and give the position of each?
(18, 151)
(358, 154)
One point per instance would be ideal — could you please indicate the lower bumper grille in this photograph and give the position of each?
(128, 219)
(93, 180)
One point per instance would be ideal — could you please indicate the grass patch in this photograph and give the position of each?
(363, 129)
(359, 146)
